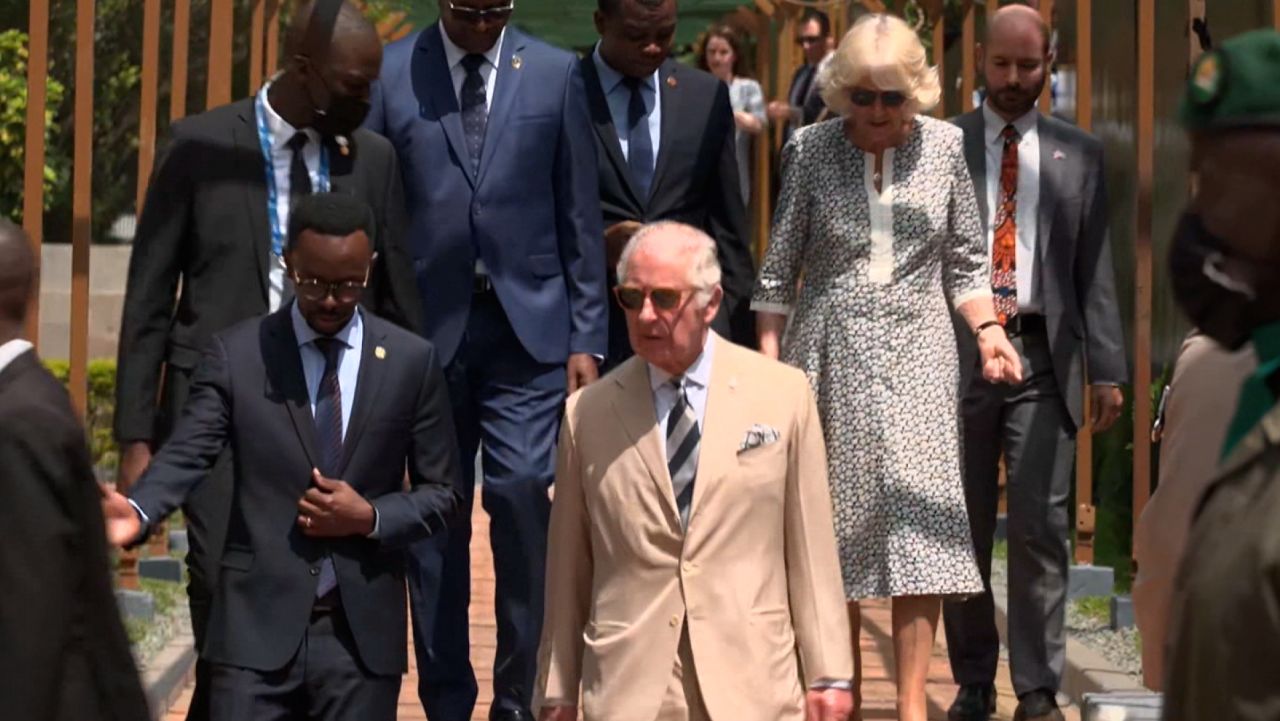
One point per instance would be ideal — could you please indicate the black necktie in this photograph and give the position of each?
(639, 142)
(299, 178)
(683, 439)
(474, 113)
(329, 435)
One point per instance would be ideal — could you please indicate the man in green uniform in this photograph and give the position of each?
(1224, 658)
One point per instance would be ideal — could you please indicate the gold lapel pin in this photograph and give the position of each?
(379, 352)
(671, 81)
(516, 62)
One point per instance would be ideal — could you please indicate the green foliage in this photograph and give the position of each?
(13, 124)
(1000, 551)
(166, 594)
(1094, 608)
(102, 400)
(135, 629)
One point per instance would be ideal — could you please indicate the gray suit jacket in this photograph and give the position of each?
(1074, 251)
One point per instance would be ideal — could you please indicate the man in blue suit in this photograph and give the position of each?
(495, 144)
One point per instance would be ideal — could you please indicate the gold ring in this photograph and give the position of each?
(307, 521)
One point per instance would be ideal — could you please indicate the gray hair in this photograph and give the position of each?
(670, 236)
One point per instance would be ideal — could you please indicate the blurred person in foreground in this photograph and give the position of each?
(722, 57)
(64, 655)
(343, 457)
(210, 243)
(877, 213)
(692, 571)
(1225, 270)
(1041, 189)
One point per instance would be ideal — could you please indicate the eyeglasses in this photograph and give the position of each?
(805, 40)
(315, 290)
(867, 98)
(632, 298)
(479, 15)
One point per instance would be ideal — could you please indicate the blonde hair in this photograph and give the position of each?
(884, 50)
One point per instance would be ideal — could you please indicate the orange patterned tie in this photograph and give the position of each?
(1004, 251)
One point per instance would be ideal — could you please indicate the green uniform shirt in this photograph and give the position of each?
(1256, 397)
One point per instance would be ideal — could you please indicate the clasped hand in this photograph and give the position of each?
(332, 509)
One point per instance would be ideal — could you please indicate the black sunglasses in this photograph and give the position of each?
(478, 15)
(632, 298)
(867, 98)
(808, 39)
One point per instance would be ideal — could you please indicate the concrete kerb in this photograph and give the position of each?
(169, 673)
(1086, 671)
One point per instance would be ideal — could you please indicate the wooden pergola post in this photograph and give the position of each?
(1143, 256)
(1086, 512)
(181, 51)
(968, 61)
(221, 20)
(33, 172)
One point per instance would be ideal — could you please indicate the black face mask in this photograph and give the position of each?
(1220, 303)
(341, 115)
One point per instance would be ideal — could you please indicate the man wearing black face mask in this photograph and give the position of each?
(1225, 262)
(214, 225)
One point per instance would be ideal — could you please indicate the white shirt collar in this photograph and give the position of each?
(10, 351)
(610, 78)
(281, 131)
(306, 334)
(698, 374)
(995, 124)
(454, 54)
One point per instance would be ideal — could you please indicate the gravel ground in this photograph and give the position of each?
(1121, 648)
(159, 632)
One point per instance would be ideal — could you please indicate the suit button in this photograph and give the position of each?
(476, 211)
(314, 571)
(675, 621)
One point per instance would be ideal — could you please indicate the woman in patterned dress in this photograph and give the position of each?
(877, 228)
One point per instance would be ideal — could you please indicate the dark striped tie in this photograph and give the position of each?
(683, 438)
(475, 114)
(329, 435)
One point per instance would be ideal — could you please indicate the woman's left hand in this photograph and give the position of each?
(1000, 362)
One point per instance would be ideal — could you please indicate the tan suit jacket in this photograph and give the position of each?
(1202, 399)
(755, 577)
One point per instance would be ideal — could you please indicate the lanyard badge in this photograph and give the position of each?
(280, 228)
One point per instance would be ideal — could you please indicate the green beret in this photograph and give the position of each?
(1235, 85)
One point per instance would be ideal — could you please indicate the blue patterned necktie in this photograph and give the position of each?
(639, 142)
(329, 435)
(683, 439)
(475, 114)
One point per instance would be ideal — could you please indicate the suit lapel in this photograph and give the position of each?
(252, 167)
(368, 383)
(285, 380)
(602, 119)
(634, 408)
(975, 156)
(669, 90)
(436, 85)
(722, 426)
(504, 95)
(1053, 158)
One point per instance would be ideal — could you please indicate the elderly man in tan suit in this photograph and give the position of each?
(692, 570)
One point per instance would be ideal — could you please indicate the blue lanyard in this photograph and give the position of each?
(278, 229)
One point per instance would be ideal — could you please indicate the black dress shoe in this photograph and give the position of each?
(507, 714)
(1038, 705)
(974, 702)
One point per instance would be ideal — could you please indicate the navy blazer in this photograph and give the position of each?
(532, 212)
(250, 393)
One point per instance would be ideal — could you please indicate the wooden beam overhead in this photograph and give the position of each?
(34, 149)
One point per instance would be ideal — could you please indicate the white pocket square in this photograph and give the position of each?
(758, 435)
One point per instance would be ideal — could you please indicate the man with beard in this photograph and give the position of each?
(1039, 183)
(1225, 263)
(214, 227)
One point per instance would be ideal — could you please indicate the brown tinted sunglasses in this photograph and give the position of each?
(632, 298)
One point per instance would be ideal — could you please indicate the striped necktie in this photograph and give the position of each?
(683, 439)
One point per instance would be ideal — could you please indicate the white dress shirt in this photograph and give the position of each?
(697, 380)
(1027, 218)
(10, 351)
(489, 70)
(619, 99)
(281, 162)
(352, 336)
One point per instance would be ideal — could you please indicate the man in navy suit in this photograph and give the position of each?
(494, 139)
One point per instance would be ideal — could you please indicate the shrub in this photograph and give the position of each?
(101, 410)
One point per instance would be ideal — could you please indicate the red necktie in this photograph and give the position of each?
(1004, 251)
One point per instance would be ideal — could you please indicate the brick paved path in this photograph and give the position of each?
(877, 655)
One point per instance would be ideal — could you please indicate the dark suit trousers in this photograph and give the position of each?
(325, 681)
(508, 405)
(1031, 424)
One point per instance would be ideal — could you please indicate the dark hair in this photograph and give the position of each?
(824, 20)
(329, 214)
(609, 7)
(729, 35)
